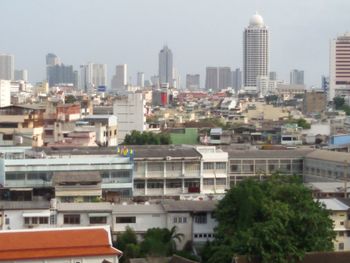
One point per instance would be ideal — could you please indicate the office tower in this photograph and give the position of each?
(5, 93)
(140, 79)
(7, 66)
(61, 74)
(211, 78)
(120, 79)
(155, 81)
(92, 76)
(52, 60)
(237, 79)
(325, 84)
(255, 51)
(21, 74)
(297, 77)
(192, 81)
(166, 66)
(225, 78)
(273, 75)
(339, 70)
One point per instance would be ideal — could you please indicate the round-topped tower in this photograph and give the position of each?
(256, 20)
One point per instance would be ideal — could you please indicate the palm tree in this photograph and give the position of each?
(174, 236)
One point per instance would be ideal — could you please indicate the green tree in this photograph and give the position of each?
(146, 138)
(127, 242)
(69, 99)
(301, 123)
(338, 102)
(275, 220)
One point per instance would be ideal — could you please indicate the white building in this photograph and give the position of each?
(255, 51)
(339, 66)
(120, 79)
(92, 76)
(265, 86)
(5, 93)
(130, 111)
(21, 74)
(166, 66)
(7, 66)
(140, 79)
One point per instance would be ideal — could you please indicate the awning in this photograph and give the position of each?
(98, 214)
(37, 214)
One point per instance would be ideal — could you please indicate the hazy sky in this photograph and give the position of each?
(199, 32)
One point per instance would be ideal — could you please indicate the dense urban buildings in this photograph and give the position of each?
(255, 51)
(339, 69)
(7, 66)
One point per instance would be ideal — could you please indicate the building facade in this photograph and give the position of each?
(255, 51)
(92, 76)
(166, 68)
(296, 77)
(193, 81)
(120, 79)
(7, 67)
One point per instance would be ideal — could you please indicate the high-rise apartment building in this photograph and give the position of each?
(255, 51)
(339, 70)
(52, 60)
(166, 66)
(297, 77)
(140, 79)
(92, 76)
(21, 74)
(273, 75)
(237, 79)
(120, 79)
(61, 74)
(225, 78)
(192, 81)
(218, 78)
(7, 66)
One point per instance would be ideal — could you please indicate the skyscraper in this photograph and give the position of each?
(92, 76)
(61, 74)
(339, 70)
(255, 51)
(21, 74)
(297, 77)
(120, 79)
(211, 78)
(166, 66)
(192, 81)
(7, 66)
(140, 79)
(237, 79)
(52, 60)
(273, 75)
(225, 78)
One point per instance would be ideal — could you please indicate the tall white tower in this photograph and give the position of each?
(166, 66)
(255, 51)
(120, 79)
(92, 76)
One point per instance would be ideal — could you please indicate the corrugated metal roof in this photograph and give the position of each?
(334, 204)
(339, 157)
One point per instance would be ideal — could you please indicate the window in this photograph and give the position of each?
(200, 218)
(175, 220)
(341, 233)
(126, 220)
(15, 176)
(155, 184)
(234, 168)
(208, 181)
(208, 166)
(120, 174)
(220, 166)
(341, 246)
(98, 220)
(180, 220)
(71, 219)
(220, 181)
(341, 223)
(195, 235)
(155, 167)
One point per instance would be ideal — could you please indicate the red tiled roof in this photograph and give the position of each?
(55, 244)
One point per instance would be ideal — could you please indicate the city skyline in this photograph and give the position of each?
(194, 49)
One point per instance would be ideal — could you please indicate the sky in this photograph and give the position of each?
(200, 33)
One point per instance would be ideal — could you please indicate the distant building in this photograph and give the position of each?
(297, 77)
(21, 74)
(273, 75)
(265, 86)
(5, 93)
(92, 76)
(211, 78)
(7, 66)
(61, 74)
(339, 71)
(255, 51)
(193, 81)
(314, 102)
(225, 78)
(130, 111)
(237, 79)
(120, 79)
(52, 60)
(140, 79)
(166, 66)
(325, 84)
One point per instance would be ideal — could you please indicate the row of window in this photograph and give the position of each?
(180, 220)
(169, 184)
(204, 235)
(36, 220)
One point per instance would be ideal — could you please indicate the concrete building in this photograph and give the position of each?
(237, 79)
(288, 91)
(273, 75)
(61, 74)
(339, 67)
(296, 77)
(193, 81)
(130, 111)
(92, 76)
(141, 79)
(255, 51)
(120, 79)
(5, 93)
(314, 102)
(7, 67)
(52, 60)
(211, 78)
(166, 68)
(21, 74)
(225, 78)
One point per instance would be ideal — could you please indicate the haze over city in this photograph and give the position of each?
(199, 33)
